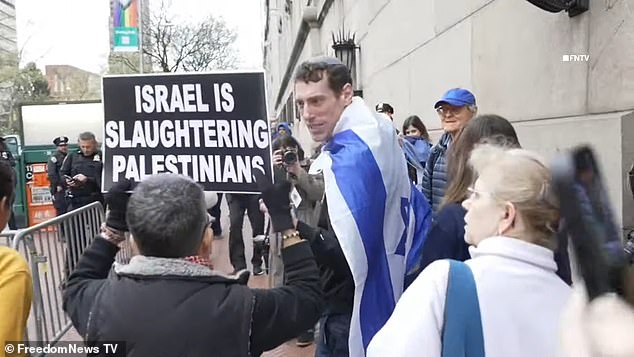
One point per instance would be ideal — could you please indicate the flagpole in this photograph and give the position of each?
(140, 15)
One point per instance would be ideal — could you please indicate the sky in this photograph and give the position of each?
(75, 32)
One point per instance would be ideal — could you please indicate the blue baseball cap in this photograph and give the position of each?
(457, 97)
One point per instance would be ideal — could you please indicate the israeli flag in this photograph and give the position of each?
(379, 217)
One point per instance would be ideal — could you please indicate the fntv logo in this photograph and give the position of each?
(575, 58)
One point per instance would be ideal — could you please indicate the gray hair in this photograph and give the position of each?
(472, 108)
(522, 178)
(166, 216)
(87, 135)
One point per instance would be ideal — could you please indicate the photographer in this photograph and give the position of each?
(287, 155)
(168, 301)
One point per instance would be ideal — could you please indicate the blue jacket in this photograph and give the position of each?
(435, 175)
(445, 239)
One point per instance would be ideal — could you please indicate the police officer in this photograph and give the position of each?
(82, 173)
(54, 175)
(7, 156)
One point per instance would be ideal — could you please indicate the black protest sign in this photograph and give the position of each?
(211, 127)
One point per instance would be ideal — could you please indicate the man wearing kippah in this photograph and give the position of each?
(366, 191)
(455, 109)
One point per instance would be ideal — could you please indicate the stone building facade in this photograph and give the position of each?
(561, 80)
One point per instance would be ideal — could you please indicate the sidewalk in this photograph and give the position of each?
(220, 259)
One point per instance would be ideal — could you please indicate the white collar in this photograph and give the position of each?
(516, 249)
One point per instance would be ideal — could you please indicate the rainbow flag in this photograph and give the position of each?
(125, 16)
(126, 13)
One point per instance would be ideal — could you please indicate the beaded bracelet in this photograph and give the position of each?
(292, 235)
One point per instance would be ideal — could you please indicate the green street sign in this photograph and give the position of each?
(126, 39)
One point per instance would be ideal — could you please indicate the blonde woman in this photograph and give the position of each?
(516, 299)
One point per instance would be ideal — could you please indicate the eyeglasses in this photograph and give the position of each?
(475, 194)
(446, 110)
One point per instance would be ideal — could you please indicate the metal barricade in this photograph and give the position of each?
(6, 238)
(274, 263)
(52, 250)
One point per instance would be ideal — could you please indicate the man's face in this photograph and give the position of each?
(453, 118)
(282, 132)
(63, 148)
(321, 107)
(87, 147)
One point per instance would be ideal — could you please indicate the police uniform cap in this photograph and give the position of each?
(60, 140)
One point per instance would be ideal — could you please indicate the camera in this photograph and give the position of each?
(289, 157)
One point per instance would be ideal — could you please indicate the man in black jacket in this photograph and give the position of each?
(168, 301)
(82, 172)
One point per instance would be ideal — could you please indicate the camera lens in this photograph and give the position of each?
(289, 157)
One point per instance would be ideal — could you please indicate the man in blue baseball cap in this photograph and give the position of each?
(456, 107)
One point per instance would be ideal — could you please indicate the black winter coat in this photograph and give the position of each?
(171, 307)
(336, 278)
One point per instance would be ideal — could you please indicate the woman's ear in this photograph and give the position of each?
(507, 222)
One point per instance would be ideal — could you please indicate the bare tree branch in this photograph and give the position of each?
(19, 84)
(174, 47)
(126, 61)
